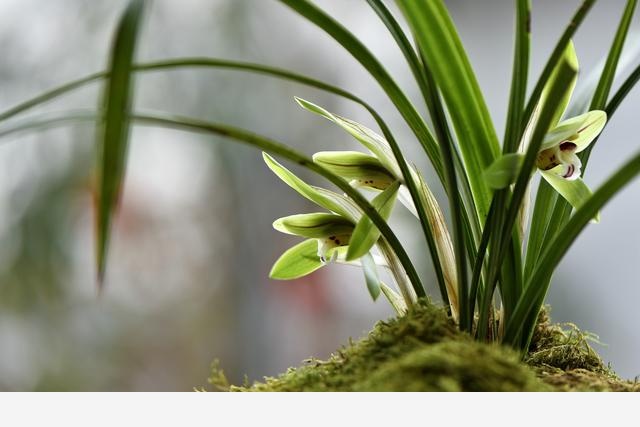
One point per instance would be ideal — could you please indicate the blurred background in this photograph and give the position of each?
(187, 281)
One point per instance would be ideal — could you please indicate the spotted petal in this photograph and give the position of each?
(314, 225)
(591, 128)
(575, 191)
(581, 130)
(364, 170)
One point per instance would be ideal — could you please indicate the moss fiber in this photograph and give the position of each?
(423, 351)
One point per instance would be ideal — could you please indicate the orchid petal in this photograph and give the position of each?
(504, 170)
(594, 123)
(365, 170)
(325, 199)
(575, 191)
(370, 139)
(347, 206)
(564, 131)
(371, 276)
(314, 225)
(297, 261)
(366, 234)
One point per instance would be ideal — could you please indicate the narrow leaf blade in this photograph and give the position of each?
(113, 134)
(441, 47)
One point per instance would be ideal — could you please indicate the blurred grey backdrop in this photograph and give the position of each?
(192, 247)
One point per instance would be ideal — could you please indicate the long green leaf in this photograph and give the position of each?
(264, 144)
(276, 148)
(442, 49)
(533, 296)
(518, 76)
(546, 197)
(622, 92)
(542, 213)
(447, 150)
(431, 96)
(560, 84)
(387, 152)
(113, 134)
(558, 51)
(360, 52)
(415, 122)
(248, 67)
(601, 95)
(558, 207)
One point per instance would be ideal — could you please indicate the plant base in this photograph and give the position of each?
(423, 351)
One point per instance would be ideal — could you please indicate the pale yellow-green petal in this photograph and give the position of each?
(297, 261)
(365, 170)
(564, 131)
(367, 137)
(366, 234)
(314, 225)
(326, 199)
(371, 276)
(576, 192)
(594, 123)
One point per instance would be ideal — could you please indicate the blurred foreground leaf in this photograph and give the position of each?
(113, 130)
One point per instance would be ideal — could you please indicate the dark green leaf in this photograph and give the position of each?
(442, 49)
(113, 134)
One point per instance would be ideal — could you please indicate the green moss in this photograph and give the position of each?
(562, 357)
(423, 351)
(453, 366)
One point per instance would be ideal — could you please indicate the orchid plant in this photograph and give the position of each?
(492, 265)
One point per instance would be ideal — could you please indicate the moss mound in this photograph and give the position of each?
(423, 351)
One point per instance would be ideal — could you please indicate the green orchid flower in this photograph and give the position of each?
(362, 170)
(559, 149)
(557, 161)
(331, 231)
(342, 235)
(378, 171)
